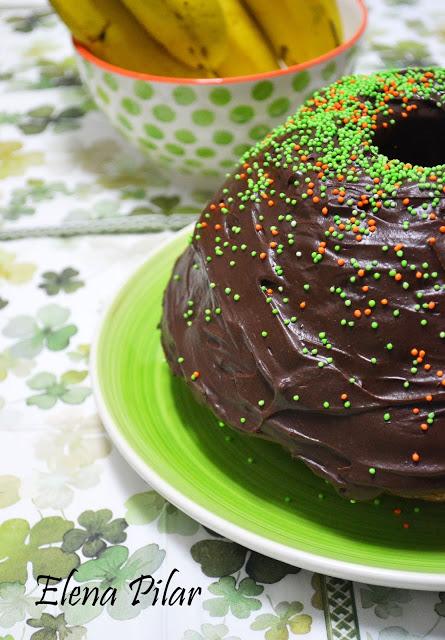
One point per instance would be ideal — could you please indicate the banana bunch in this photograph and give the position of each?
(203, 38)
(301, 29)
(113, 34)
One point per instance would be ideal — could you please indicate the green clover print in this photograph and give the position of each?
(49, 330)
(230, 597)
(386, 601)
(9, 490)
(114, 569)
(396, 633)
(54, 628)
(53, 283)
(98, 529)
(287, 617)
(20, 544)
(52, 389)
(15, 605)
(209, 632)
(439, 608)
(221, 557)
(145, 507)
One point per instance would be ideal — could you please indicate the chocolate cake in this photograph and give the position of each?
(309, 307)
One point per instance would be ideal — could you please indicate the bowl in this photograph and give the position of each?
(200, 127)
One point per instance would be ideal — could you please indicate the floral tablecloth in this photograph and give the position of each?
(67, 498)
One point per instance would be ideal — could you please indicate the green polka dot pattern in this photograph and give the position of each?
(262, 90)
(202, 129)
(184, 95)
(220, 96)
(242, 114)
(203, 117)
(131, 106)
(222, 137)
(185, 135)
(153, 131)
(143, 90)
(163, 113)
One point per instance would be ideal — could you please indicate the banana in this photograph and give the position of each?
(248, 51)
(301, 29)
(111, 32)
(193, 31)
(332, 16)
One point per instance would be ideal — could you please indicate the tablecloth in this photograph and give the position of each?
(67, 498)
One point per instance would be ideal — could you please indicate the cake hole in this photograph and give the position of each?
(268, 284)
(418, 139)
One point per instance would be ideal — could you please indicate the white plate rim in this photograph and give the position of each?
(305, 560)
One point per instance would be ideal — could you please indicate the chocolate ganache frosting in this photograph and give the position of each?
(309, 307)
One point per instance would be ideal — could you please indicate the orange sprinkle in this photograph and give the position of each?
(302, 304)
(384, 301)
(442, 229)
(424, 426)
(273, 245)
(344, 396)
(258, 227)
(324, 211)
(357, 313)
(416, 410)
(431, 241)
(218, 227)
(429, 397)
(274, 232)
(415, 457)
(340, 262)
(263, 255)
(270, 203)
(439, 373)
(365, 288)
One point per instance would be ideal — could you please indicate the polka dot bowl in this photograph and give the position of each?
(200, 127)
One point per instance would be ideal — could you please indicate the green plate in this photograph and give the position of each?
(246, 489)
